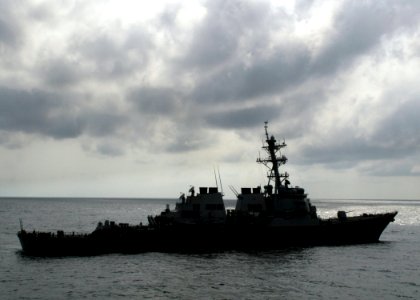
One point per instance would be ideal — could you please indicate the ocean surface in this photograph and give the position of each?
(386, 270)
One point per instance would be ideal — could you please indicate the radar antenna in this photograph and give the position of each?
(274, 160)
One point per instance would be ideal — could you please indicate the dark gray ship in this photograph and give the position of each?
(270, 217)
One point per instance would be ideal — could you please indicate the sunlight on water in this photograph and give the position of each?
(408, 210)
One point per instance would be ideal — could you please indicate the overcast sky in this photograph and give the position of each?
(145, 98)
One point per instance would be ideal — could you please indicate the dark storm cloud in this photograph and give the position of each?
(100, 47)
(34, 112)
(227, 23)
(11, 31)
(215, 47)
(104, 55)
(392, 168)
(154, 100)
(285, 69)
(299, 111)
(350, 151)
(355, 32)
(114, 54)
(358, 28)
(8, 33)
(61, 72)
(236, 32)
(103, 122)
(400, 131)
(397, 136)
(241, 52)
(41, 12)
(242, 118)
(346, 150)
(38, 112)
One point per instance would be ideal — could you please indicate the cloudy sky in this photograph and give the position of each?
(145, 98)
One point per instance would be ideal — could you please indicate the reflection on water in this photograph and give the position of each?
(407, 209)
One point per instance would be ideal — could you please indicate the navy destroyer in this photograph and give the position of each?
(269, 217)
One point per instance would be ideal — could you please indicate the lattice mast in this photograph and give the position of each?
(274, 160)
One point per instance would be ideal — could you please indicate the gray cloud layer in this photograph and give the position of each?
(241, 64)
(37, 112)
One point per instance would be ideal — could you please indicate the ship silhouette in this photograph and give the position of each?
(270, 217)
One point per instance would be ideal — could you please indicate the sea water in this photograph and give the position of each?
(385, 270)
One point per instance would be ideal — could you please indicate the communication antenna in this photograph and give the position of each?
(215, 177)
(220, 180)
(233, 190)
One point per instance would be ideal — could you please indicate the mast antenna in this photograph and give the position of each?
(233, 190)
(220, 180)
(266, 127)
(215, 177)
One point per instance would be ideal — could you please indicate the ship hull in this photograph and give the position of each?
(190, 238)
